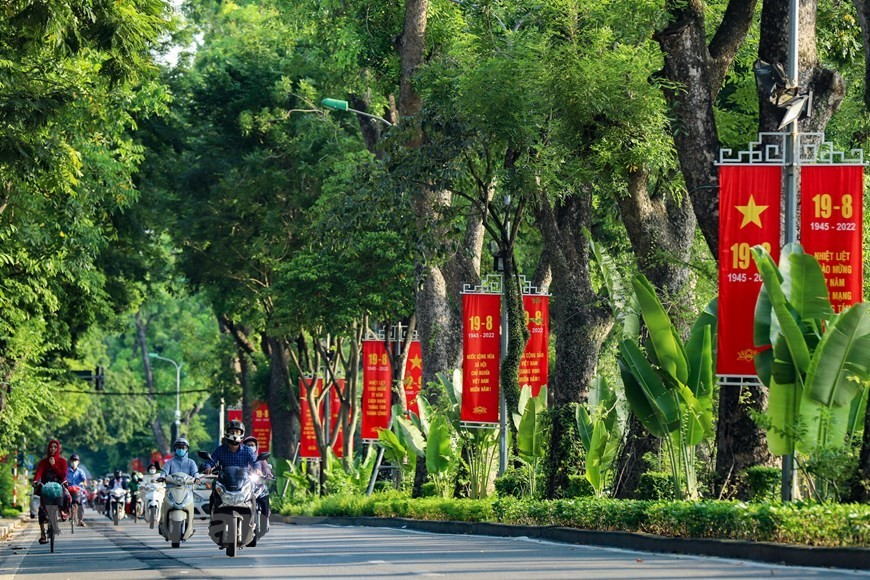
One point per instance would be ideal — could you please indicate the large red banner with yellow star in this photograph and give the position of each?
(481, 348)
(308, 437)
(831, 227)
(749, 215)
(534, 365)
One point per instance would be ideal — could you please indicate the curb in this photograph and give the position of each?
(8, 526)
(773, 553)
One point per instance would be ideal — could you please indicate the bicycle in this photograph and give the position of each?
(51, 498)
(75, 514)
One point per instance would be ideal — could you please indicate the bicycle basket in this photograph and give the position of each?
(52, 493)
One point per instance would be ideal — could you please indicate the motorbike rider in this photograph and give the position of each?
(117, 481)
(151, 473)
(263, 469)
(231, 453)
(180, 462)
(134, 484)
(53, 467)
(76, 476)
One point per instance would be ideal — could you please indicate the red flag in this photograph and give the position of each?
(534, 365)
(413, 376)
(334, 416)
(377, 377)
(831, 227)
(749, 214)
(480, 349)
(233, 414)
(307, 438)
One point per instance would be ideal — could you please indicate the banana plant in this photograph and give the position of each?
(669, 384)
(816, 363)
(531, 433)
(600, 430)
(430, 439)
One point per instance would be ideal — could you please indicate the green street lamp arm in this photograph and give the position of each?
(339, 105)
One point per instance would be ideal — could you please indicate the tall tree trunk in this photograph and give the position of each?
(283, 408)
(142, 340)
(698, 71)
(581, 323)
(661, 230)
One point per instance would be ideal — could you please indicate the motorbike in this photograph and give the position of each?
(233, 523)
(137, 506)
(176, 524)
(118, 498)
(154, 492)
(261, 490)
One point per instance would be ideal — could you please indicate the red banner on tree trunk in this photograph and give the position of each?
(534, 365)
(307, 437)
(749, 214)
(413, 376)
(480, 357)
(831, 227)
(377, 377)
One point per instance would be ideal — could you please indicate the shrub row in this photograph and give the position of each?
(793, 523)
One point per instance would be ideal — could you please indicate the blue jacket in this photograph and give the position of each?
(75, 476)
(180, 464)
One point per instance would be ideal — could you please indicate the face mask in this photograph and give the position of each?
(75, 464)
(181, 452)
(152, 471)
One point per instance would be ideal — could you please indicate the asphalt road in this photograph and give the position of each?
(103, 551)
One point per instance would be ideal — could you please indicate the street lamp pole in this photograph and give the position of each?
(177, 424)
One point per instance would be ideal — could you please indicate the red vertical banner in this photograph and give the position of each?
(413, 376)
(481, 314)
(308, 437)
(233, 414)
(749, 215)
(377, 377)
(262, 427)
(534, 365)
(832, 201)
(335, 416)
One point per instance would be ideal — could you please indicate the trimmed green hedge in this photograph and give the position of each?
(793, 523)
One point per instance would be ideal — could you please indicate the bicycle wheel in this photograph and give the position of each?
(52, 525)
(73, 517)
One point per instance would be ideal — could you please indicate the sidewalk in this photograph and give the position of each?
(7, 525)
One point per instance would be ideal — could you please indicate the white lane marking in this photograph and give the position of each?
(24, 536)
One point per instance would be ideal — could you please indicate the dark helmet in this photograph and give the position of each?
(234, 425)
(180, 442)
(251, 439)
(74, 457)
(117, 474)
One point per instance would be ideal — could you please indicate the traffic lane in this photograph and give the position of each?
(85, 554)
(324, 551)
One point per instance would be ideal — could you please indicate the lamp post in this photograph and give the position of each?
(177, 424)
(339, 105)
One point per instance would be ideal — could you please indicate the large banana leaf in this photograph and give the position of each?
(595, 454)
(834, 379)
(782, 366)
(424, 412)
(394, 451)
(530, 435)
(783, 408)
(804, 285)
(846, 343)
(411, 435)
(783, 311)
(439, 452)
(625, 307)
(584, 426)
(669, 351)
(655, 404)
(700, 352)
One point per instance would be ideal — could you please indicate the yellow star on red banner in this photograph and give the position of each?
(751, 212)
(416, 362)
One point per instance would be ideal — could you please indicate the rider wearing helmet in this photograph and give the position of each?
(231, 453)
(180, 463)
(264, 469)
(76, 476)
